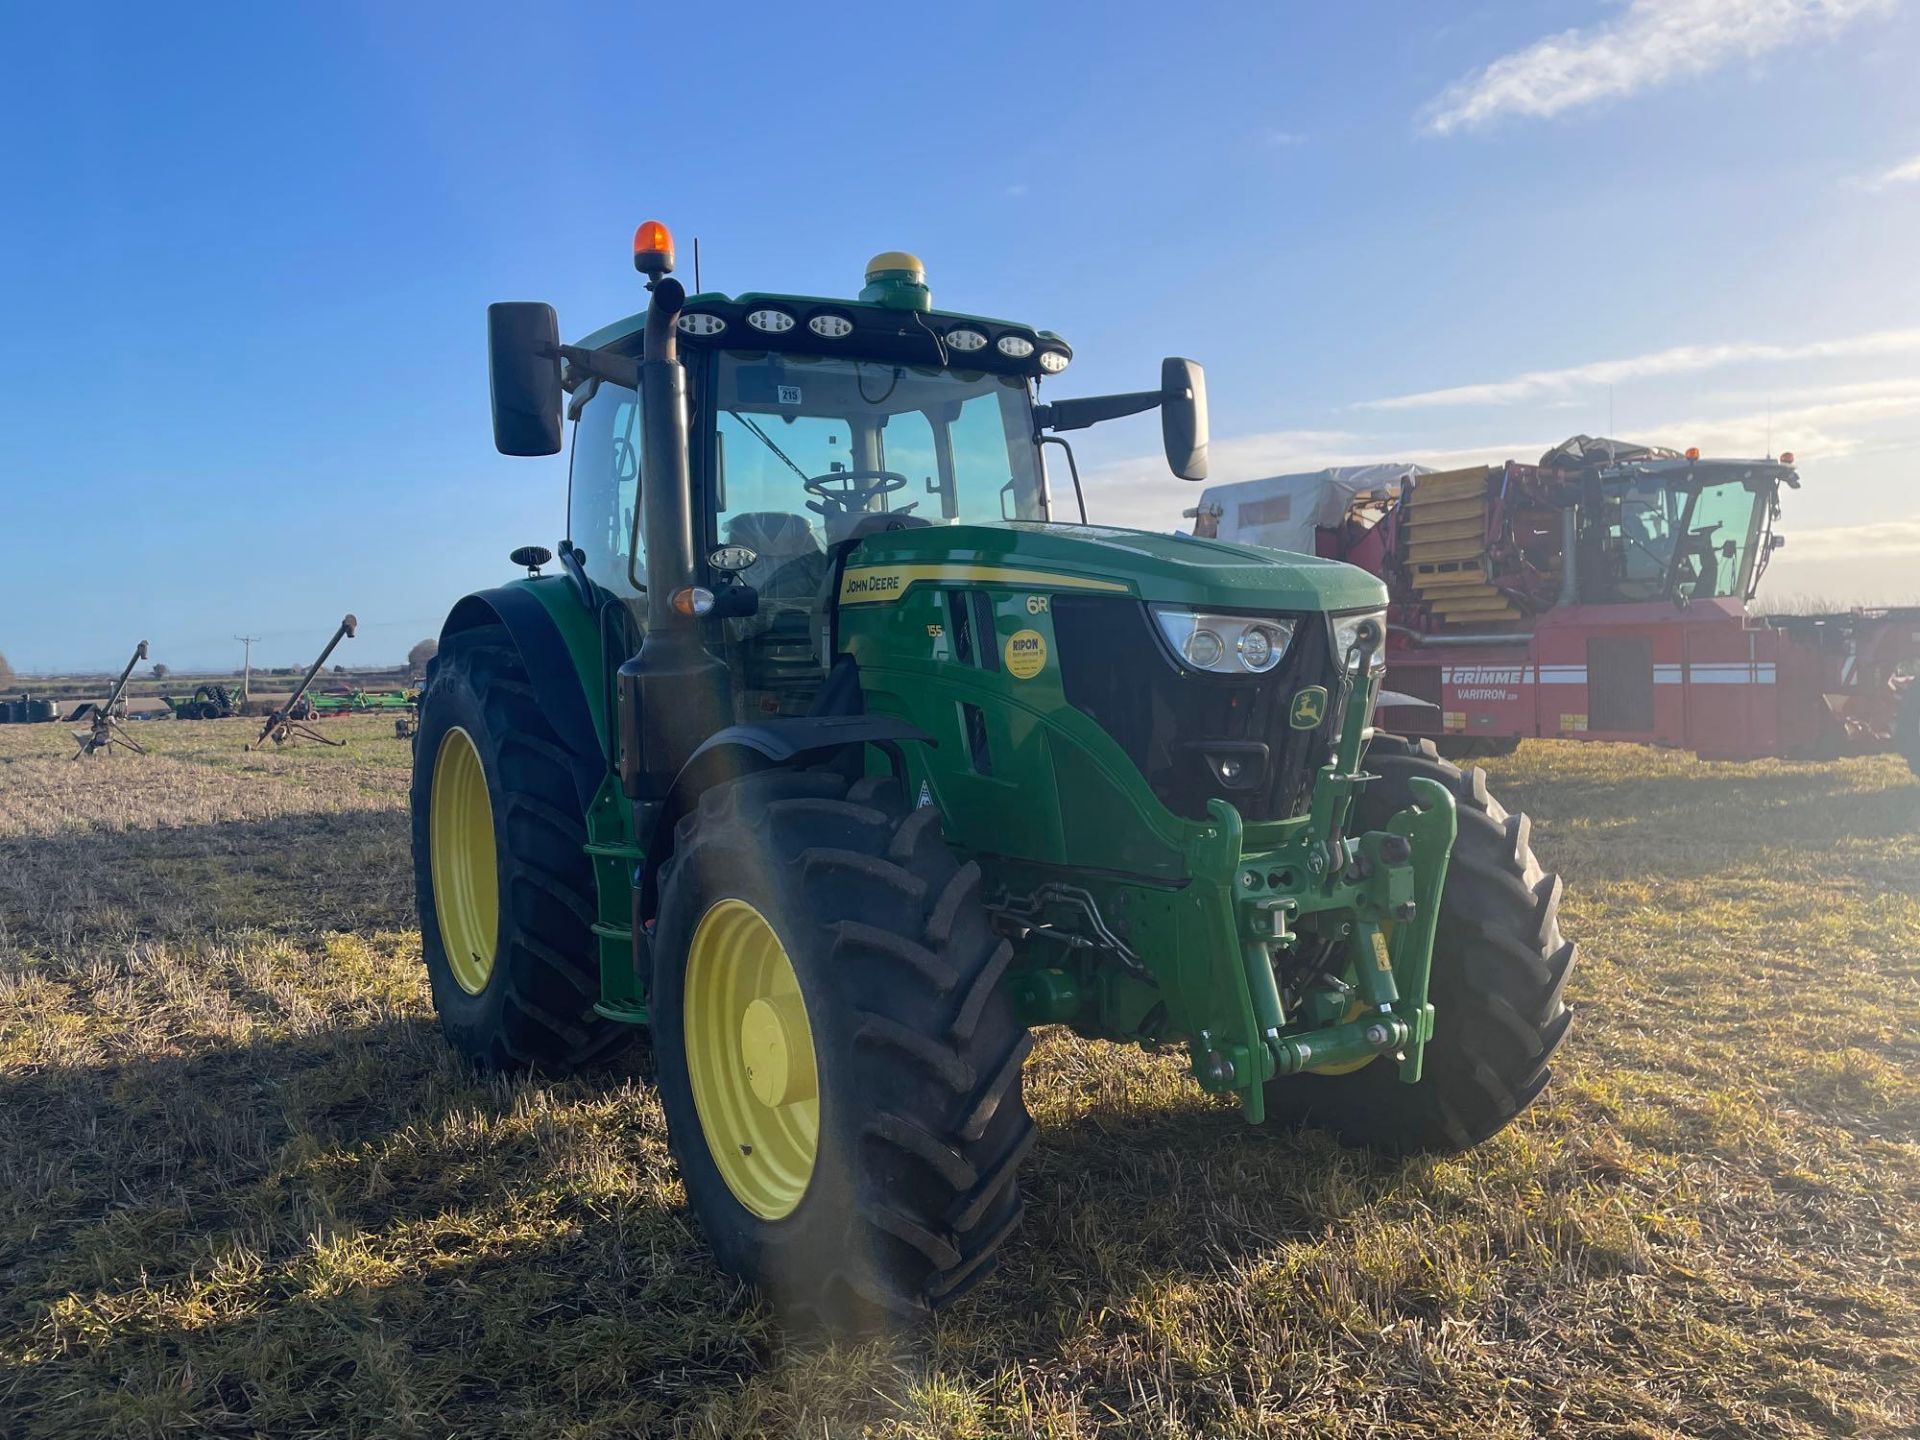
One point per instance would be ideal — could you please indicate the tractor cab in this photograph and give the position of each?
(801, 449)
(814, 424)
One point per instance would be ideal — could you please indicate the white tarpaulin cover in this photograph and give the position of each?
(1281, 513)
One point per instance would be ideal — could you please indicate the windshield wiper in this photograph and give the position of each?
(767, 440)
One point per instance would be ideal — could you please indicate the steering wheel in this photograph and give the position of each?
(844, 492)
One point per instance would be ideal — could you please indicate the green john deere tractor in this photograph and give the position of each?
(837, 756)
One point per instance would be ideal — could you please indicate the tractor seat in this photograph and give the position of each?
(788, 570)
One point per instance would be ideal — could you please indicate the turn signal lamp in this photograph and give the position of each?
(692, 600)
(653, 250)
(1693, 452)
(898, 281)
(1786, 457)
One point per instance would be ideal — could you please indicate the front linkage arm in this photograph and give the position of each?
(1376, 896)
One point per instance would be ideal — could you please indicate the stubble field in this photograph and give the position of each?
(245, 1189)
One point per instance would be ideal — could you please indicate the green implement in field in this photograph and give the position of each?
(361, 702)
(838, 757)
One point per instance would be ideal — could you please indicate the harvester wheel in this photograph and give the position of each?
(1500, 969)
(839, 1066)
(504, 889)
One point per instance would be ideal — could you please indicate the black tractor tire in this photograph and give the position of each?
(1500, 968)
(535, 1009)
(1906, 725)
(922, 1123)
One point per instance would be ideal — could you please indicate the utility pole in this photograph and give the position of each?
(246, 671)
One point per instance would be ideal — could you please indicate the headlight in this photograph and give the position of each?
(1225, 644)
(1346, 630)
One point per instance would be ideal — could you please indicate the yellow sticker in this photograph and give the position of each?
(1026, 654)
(1380, 956)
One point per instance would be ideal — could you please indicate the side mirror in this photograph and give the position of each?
(523, 370)
(1183, 417)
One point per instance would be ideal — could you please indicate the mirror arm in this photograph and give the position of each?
(606, 365)
(1092, 409)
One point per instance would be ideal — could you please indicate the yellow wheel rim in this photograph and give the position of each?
(466, 880)
(750, 1059)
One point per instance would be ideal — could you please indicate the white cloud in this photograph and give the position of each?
(1678, 360)
(1840, 542)
(1871, 564)
(1650, 43)
(1283, 139)
(1907, 172)
(1823, 430)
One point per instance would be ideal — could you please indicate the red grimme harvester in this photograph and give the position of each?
(1602, 594)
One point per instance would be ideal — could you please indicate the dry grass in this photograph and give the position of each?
(244, 1189)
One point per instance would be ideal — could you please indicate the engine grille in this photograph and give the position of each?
(1175, 724)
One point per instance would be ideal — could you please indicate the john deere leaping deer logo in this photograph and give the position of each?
(1309, 707)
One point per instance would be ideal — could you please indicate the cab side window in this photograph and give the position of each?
(604, 519)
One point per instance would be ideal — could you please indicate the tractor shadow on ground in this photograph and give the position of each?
(371, 1192)
(293, 876)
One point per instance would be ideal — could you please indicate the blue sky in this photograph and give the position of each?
(249, 249)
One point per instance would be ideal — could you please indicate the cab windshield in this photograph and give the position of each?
(1716, 544)
(1672, 542)
(813, 450)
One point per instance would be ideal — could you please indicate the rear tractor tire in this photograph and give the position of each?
(840, 1069)
(504, 889)
(1500, 968)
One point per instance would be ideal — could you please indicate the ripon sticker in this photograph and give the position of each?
(789, 394)
(1309, 707)
(1026, 654)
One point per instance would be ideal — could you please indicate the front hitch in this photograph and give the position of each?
(1372, 900)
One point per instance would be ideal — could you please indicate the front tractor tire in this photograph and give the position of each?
(504, 889)
(1500, 968)
(839, 1066)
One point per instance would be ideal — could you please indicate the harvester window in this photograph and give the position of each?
(1646, 545)
(1720, 530)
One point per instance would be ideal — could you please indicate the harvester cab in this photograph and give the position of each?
(837, 755)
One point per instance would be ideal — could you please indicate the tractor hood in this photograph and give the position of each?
(1160, 568)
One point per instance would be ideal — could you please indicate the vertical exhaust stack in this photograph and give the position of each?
(674, 693)
(1569, 556)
